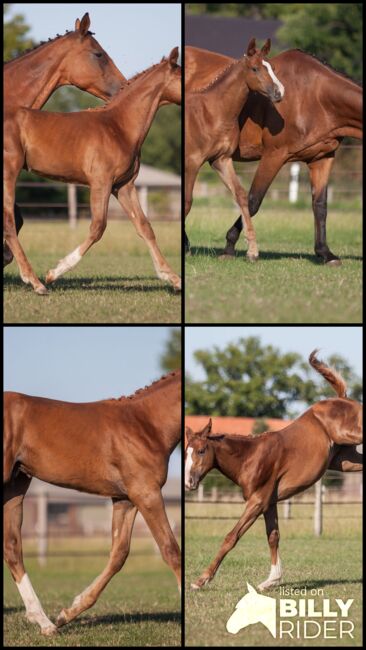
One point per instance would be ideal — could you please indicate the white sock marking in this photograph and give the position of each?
(274, 78)
(67, 263)
(35, 613)
(274, 576)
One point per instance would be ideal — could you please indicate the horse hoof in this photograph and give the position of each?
(50, 630)
(50, 277)
(195, 586)
(252, 258)
(177, 284)
(335, 262)
(41, 290)
(61, 619)
(226, 256)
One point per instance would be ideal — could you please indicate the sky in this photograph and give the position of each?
(345, 341)
(83, 364)
(134, 35)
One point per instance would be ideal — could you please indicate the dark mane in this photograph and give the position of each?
(330, 67)
(126, 84)
(32, 49)
(141, 392)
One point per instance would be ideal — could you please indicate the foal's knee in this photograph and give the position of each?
(12, 553)
(170, 553)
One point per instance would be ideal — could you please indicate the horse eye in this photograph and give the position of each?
(98, 54)
(200, 452)
(255, 69)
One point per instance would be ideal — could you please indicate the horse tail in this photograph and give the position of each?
(331, 375)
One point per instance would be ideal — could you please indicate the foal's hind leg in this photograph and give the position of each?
(225, 169)
(347, 459)
(99, 196)
(128, 198)
(14, 494)
(124, 513)
(273, 536)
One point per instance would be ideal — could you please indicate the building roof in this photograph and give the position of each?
(238, 426)
(153, 177)
(228, 36)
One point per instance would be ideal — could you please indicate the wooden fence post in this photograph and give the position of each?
(42, 527)
(318, 508)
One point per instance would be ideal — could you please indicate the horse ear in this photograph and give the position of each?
(266, 47)
(251, 47)
(189, 433)
(77, 25)
(173, 57)
(84, 25)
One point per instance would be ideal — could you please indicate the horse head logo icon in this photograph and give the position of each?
(253, 608)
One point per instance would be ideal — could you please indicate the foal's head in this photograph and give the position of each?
(259, 73)
(172, 93)
(199, 456)
(87, 66)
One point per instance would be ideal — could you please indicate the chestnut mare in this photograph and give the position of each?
(307, 126)
(116, 447)
(212, 128)
(99, 147)
(75, 59)
(276, 465)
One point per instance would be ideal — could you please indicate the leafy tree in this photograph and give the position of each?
(260, 425)
(250, 380)
(332, 32)
(16, 39)
(171, 359)
(162, 147)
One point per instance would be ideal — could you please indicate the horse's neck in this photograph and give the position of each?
(231, 91)
(345, 99)
(163, 406)
(227, 463)
(136, 107)
(30, 80)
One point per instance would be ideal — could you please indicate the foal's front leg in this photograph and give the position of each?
(225, 169)
(128, 198)
(253, 509)
(99, 197)
(124, 513)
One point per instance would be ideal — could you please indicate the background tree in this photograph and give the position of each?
(171, 359)
(16, 39)
(249, 379)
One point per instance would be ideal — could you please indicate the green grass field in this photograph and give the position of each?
(114, 283)
(140, 606)
(331, 562)
(288, 284)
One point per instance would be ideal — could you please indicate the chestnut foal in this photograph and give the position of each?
(101, 148)
(212, 127)
(75, 59)
(116, 447)
(278, 464)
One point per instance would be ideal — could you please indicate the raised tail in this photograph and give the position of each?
(331, 375)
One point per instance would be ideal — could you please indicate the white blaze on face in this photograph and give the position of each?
(274, 78)
(188, 466)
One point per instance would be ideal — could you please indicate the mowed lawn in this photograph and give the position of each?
(140, 606)
(114, 283)
(331, 563)
(288, 284)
